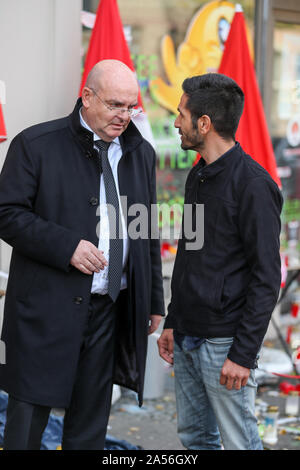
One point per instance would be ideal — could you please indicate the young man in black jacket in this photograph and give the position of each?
(225, 289)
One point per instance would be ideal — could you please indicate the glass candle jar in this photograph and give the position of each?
(271, 418)
(292, 404)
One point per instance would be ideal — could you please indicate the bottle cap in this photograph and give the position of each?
(272, 409)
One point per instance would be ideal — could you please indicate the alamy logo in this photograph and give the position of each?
(2, 352)
(143, 222)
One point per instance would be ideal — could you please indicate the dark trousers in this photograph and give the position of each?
(86, 418)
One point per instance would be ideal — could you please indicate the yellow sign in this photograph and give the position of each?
(200, 53)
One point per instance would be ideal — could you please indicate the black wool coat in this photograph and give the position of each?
(49, 194)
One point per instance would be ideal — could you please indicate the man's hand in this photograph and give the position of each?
(233, 375)
(154, 323)
(166, 345)
(87, 258)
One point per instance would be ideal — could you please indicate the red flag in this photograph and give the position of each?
(107, 39)
(236, 63)
(3, 135)
(108, 42)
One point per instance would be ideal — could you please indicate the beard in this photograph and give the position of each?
(192, 140)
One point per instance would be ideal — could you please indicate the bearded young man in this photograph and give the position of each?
(223, 294)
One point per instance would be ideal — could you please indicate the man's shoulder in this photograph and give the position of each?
(250, 180)
(255, 183)
(44, 128)
(248, 166)
(249, 170)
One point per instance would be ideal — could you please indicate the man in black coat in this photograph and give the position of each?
(226, 282)
(82, 295)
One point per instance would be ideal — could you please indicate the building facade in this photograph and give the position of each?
(43, 46)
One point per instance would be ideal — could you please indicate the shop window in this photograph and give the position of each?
(285, 129)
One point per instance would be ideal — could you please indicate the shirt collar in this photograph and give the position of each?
(218, 165)
(96, 137)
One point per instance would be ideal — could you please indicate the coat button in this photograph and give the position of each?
(78, 300)
(88, 154)
(94, 201)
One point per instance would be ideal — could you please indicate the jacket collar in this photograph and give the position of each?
(220, 164)
(129, 140)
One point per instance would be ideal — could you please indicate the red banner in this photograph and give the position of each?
(252, 133)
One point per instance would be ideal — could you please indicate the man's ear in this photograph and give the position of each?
(86, 96)
(204, 124)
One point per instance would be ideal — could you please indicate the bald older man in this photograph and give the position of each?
(82, 295)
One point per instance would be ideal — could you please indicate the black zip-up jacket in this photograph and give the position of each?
(230, 286)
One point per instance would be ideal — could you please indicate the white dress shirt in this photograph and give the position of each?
(100, 280)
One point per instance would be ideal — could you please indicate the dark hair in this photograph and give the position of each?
(217, 96)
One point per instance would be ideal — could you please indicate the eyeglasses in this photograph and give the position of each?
(131, 111)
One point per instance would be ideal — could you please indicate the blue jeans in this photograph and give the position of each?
(207, 412)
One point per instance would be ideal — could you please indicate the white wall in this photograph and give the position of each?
(40, 64)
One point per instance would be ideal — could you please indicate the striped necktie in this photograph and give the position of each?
(115, 263)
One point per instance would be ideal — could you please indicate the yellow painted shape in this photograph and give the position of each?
(199, 53)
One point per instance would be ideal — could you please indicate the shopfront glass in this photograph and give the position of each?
(285, 129)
